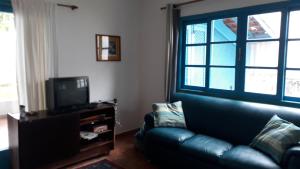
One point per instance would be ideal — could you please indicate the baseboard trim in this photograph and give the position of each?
(127, 132)
(2, 116)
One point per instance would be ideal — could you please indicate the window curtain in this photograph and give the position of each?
(173, 16)
(36, 50)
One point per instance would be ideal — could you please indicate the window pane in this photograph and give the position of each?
(8, 84)
(224, 30)
(195, 55)
(261, 81)
(264, 26)
(262, 54)
(196, 33)
(195, 76)
(223, 54)
(293, 57)
(292, 83)
(294, 25)
(222, 78)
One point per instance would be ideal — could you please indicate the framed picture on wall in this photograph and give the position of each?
(108, 48)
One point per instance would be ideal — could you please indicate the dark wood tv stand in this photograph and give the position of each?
(53, 141)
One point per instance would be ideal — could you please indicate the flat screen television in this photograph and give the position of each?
(67, 93)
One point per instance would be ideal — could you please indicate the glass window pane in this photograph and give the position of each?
(224, 29)
(264, 26)
(263, 54)
(8, 84)
(195, 55)
(261, 81)
(292, 83)
(196, 33)
(293, 57)
(223, 54)
(294, 25)
(222, 78)
(195, 76)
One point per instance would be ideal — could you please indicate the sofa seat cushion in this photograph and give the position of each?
(245, 157)
(205, 147)
(169, 137)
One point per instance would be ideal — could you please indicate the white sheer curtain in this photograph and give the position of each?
(36, 50)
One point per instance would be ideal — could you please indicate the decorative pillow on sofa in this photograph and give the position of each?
(168, 115)
(276, 137)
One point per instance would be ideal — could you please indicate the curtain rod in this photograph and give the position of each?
(182, 4)
(73, 7)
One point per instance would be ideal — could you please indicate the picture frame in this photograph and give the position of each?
(108, 48)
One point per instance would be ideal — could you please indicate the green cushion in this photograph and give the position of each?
(168, 115)
(276, 137)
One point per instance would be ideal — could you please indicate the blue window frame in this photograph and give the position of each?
(292, 67)
(5, 6)
(246, 54)
(195, 51)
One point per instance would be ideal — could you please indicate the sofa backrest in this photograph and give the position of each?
(235, 121)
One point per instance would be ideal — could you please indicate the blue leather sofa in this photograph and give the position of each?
(217, 136)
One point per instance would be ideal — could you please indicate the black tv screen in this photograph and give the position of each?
(63, 93)
(72, 92)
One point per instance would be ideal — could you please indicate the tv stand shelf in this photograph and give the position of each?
(54, 141)
(93, 119)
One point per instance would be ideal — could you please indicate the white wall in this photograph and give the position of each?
(153, 41)
(138, 80)
(76, 47)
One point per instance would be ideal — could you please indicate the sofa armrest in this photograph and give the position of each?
(148, 125)
(149, 121)
(291, 158)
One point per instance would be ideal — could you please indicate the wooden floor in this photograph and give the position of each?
(125, 155)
